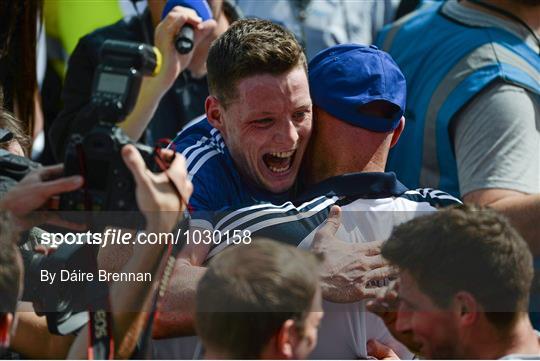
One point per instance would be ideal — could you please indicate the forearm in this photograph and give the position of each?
(113, 257)
(524, 213)
(137, 121)
(177, 314)
(131, 303)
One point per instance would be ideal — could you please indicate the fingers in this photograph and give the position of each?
(376, 261)
(178, 17)
(366, 293)
(207, 26)
(383, 303)
(205, 29)
(371, 248)
(379, 274)
(375, 306)
(167, 155)
(50, 172)
(62, 185)
(135, 164)
(380, 351)
(333, 222)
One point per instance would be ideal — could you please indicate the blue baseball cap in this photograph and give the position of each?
(345, 77)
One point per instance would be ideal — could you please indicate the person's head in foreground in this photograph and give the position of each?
(259, 101)
(260, 301)
(464, 283)
(358, 95)
(11, 281)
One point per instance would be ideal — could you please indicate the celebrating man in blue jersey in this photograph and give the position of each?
(258, 119)
(359, 95)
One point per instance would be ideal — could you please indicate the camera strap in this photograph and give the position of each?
(171, 253)
(101, 345)
(101, 340)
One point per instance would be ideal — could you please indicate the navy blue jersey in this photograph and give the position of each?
(216, 181)
(366, 199)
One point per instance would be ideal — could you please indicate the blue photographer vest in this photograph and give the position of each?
(446, 63)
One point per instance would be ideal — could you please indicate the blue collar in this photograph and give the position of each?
(361, 185)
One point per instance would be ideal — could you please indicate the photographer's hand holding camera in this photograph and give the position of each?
(154, 88)
(162, 198)
(155, 192)
(34, 192)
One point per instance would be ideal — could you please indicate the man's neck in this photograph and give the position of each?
(527, 13)
(521, 339)
(335, 161)
(324, 170)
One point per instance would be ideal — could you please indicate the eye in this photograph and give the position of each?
(263, 122)
(300, 115)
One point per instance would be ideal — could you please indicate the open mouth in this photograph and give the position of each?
(279, 162)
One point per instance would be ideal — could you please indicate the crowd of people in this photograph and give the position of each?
(367, 175)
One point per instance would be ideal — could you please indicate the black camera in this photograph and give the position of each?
(108, 183)
(108, 186)
(13, 168)
(62, 299)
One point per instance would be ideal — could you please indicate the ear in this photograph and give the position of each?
(6, 321)
(285, 339)
(214, 114)
(466, 308)
(397, 132)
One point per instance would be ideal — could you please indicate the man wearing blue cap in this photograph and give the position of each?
(359, 96)
(359, 100)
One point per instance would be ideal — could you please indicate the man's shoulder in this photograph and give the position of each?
(202, 146)
(288, 222)
(197, 129)
(432, 197)
(217, 183)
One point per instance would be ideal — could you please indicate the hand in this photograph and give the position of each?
(160, 196)
(35, 192)
(380, 351)
(154, 88)
(173, 62)
(386, 306)
(349, 269)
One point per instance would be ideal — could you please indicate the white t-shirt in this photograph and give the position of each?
(372, 204)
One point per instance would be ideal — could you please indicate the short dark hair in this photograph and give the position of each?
(10, 268)
(249, 291)
(470, 249)
(250, 47)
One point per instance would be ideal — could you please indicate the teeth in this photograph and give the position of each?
(278, 170)
(283, 154)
